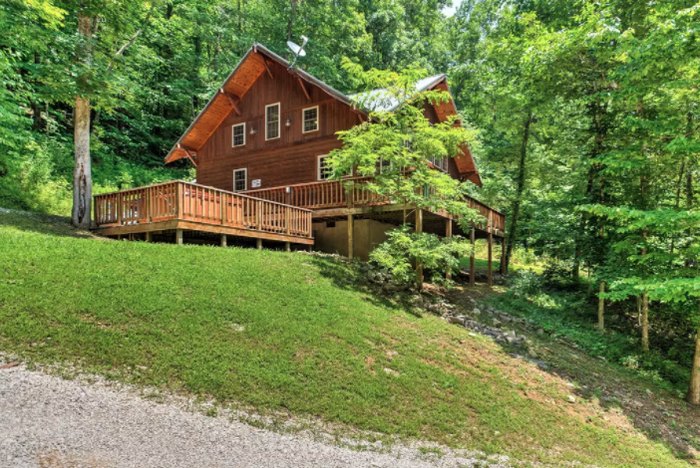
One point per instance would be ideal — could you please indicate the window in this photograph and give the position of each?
(240, 180)
(440, 163)
(324, 169)
(383, 165)
(272, 121)
(310, 119)
(238, 135)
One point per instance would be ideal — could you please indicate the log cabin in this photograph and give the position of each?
(259, 149)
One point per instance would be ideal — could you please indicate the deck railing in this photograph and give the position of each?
(328, 194)
(323, 194)
(185, 201)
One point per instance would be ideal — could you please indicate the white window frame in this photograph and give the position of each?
(303, 119)
(233, 134)
(245, 178)
(319, 158)
(279, 120)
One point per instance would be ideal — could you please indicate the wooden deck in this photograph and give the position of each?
(334, 198)
(183, 206)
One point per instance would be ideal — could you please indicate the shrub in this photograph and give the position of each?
(403, 248)
(524, 283)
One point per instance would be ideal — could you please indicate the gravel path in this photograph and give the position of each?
(50, 422)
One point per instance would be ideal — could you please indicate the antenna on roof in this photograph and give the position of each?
(297, 50)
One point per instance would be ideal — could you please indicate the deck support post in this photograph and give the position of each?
(224, 240)
(149, 236)
(419, 266)
(288, 246)
(448, 235)
(503, 256)
(351, 239)
(258, 244)
(490, 259)
(178, 236)
(472, 270)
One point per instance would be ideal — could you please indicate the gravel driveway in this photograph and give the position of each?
(50, 422)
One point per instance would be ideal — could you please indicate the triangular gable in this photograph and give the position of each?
(253, 64)
(256, 62)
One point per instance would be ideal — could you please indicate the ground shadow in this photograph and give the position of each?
(42, 224)
(350, 275)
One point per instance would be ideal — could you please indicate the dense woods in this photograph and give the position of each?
(586, 115)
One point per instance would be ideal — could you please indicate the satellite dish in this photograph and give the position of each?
(297, 50)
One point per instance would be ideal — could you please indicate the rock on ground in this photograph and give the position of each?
(50, 422)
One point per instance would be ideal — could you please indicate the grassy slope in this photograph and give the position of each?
(278, 331)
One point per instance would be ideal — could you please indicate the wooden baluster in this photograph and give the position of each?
(221, 208)
(257, 215)
(119, 209)
(179, 195)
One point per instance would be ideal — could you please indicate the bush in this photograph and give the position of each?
(558, 273)
(525, 283)
(403, 248)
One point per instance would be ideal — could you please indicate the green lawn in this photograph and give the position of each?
(286, 332)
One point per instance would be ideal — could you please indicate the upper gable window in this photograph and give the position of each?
(272, 121)
(310, 119)
(238, 135)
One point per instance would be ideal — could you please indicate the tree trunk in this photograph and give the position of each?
(645, 322)
(82, 173)
(601, 306)
(290, 20)
(520, 188)
(693, 396)
(419, 266)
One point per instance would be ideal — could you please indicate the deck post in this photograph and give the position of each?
(419, 265)
(178, 236)
(288, 246)
(351, 232)
(490, 258)
(503, 256)
(149, 237)
(258, 243)
(472, 270)
(448, 235)
(224, 240)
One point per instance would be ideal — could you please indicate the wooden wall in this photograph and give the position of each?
(290, 159)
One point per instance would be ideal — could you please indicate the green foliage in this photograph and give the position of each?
(525, 283)
(404, 248)
(568, 315)
(398, 144)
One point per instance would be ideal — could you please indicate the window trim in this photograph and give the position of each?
(319, 158)
(279, 120)
(233, 135)
(245, 178)
(303, 119)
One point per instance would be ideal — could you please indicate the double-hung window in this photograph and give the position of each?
(240, 179)
(272, 121)
(238, 135)
(309, 119)
(325, 171)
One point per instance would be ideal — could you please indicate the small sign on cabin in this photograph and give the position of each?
(255, 183)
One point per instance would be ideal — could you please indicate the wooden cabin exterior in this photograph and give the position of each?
(262, 138)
